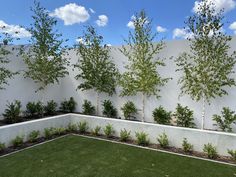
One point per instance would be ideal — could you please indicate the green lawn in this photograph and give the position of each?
(75, 156)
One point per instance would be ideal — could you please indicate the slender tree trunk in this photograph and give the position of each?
(203, 112)
(143, 109)
(42, 100)
(97, 109)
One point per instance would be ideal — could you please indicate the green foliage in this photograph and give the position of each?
(187, 147)
(2, 147)
(50, 108)
(210, 150)
(44, 59)
(225, 121)
(163, 140)
(96, 69)
(88, 108)
(184, 116)
(96, 130)
(33, 136)
(129, 110)
(142, 138)
(83, 127)
(208, 67)
(141, 75)
(5, 73)
(124, 135)
(34, 109)
(12, 112)
(72, 127)
(49, 132)
(233, 154)
(68, 106)
(60, 131)
(108, 109)
(161, 116)
(109, 130)
(18, 141)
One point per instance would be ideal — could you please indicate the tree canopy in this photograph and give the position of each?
(44, 58)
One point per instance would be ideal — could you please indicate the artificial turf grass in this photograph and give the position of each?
(75, 156)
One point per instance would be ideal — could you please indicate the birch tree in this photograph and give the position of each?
(44, 58)
(141, 75)
(96, 70)
(208, 67)
(5, 73)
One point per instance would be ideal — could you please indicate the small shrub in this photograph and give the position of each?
(163, 140)
(129, 110)
(225, 121)
(142, 138)
(2, 147)
(49, 132)
(72, 127)
(233, 154)
(33, 136)
(161, 116)
(50, 108)
(108, 130)
(88, 108)
(60, 131)
(184, 116)
(187, 147)
(108, 109)
(34, 109)
(83, 127)
(12, 112)
(124, 135)
(68, 106)
(210, 150)
(18, 141)
(96, 130)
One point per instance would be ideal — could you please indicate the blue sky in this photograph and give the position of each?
(114, 15)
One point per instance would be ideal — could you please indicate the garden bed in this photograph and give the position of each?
(81, 156)
(197, 138)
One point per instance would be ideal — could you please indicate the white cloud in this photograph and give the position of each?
(181, 33)
(233, 27)
(227, 5)
(14, 30)
(79, 40)
(130, 24)
(102, 20)
(161, 29)
(92, 11)
(71, 14)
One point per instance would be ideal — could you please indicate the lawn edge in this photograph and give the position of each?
(152, 149)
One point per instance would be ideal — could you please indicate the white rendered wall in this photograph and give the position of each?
(24, 89)
(223, 141)
(9, 132)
